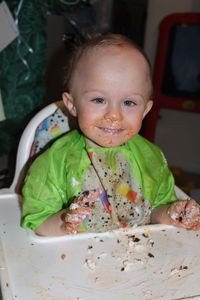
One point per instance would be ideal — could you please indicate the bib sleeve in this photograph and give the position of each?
(42, 195)
(165, 193)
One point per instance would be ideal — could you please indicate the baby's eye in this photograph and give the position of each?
(129, 103)
(98, 100)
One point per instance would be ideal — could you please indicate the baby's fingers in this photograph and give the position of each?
(70, 228)
(82, 211)
(192, 208)
(176, 210)
(195, 227)
(76, 216)
(88, 198)
(191, 215)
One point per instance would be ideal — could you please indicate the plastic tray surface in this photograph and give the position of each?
(149, 262)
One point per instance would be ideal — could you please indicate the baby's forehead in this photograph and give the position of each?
(99, 57)
(127, 54)
(118, 51)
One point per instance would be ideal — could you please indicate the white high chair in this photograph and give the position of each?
(148, 262)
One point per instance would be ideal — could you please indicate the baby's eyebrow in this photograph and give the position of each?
(135, 94)
(92, 91)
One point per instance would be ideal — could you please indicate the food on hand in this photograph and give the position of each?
(186, 214)
(79, 210)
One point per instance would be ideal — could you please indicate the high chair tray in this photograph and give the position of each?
(149, 262)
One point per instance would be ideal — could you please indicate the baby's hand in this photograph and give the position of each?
(186, 214)
(78, 211)
(87, 199)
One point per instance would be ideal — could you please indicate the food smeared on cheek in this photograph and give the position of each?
(86, 128)
(130, 133)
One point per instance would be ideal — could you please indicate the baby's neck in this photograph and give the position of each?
(91, 144)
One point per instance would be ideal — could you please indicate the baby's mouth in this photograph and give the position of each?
(111, 131)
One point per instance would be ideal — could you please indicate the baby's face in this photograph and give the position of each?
(110, 94)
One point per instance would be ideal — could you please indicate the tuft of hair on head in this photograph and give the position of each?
(96, 40)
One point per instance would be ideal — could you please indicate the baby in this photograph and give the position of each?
(105, 175)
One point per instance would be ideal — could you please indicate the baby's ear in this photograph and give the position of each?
(69, 103)
(149, 105)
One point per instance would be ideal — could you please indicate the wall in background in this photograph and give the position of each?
(177, 132)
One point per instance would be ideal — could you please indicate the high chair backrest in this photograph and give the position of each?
(52, 121)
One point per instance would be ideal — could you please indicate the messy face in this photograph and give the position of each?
(110, 94)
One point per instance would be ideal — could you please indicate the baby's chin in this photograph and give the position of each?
(106, 143)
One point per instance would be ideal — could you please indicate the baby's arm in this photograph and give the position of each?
(63, 222)
(183, 213)
(67, 221)
(52, 226)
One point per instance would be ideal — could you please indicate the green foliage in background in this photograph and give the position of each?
(23, 66)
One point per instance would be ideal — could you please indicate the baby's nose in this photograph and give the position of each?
(113, 114)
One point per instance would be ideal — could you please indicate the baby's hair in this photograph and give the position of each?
(93, 42)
